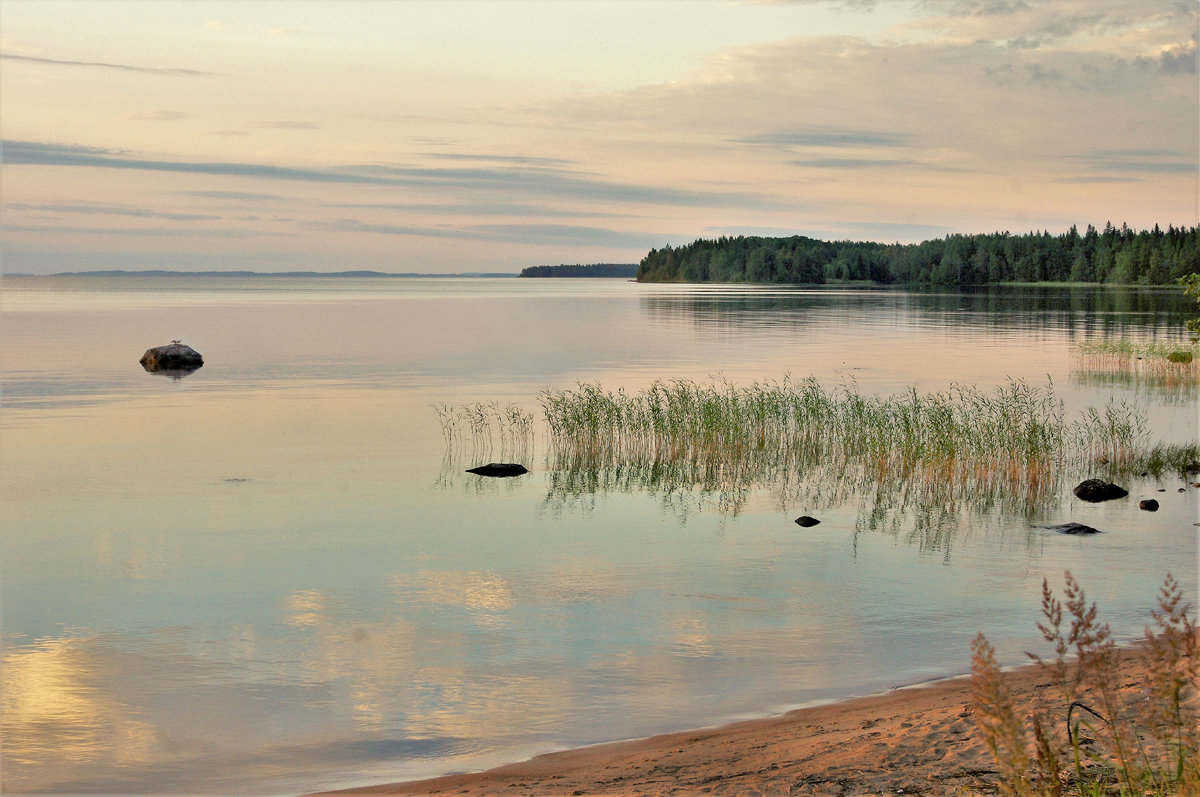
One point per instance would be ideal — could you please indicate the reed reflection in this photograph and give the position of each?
(919, 460)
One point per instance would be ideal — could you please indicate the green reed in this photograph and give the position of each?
(491, 429)
(1014, 432)
(916, 460)
(1154, 355)
(1127, 348)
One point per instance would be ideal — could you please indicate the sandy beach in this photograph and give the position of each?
(914, 740)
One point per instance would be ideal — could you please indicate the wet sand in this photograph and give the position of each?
(917, 740)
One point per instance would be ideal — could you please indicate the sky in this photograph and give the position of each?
(458, 136)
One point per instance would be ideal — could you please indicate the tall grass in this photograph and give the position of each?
(489, 429)
(1129, 349)
(1143, 740)
(1015, 434)
(935, 453)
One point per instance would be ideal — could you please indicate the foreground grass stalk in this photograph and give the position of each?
(1142, 741)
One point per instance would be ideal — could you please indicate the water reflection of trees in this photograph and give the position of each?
(1081, 311)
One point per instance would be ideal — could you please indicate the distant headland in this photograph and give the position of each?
(624, 270)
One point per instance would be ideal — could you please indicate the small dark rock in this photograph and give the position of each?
(1096, 490)
(1182, 490)
(174, 356)
(1150, 505)
(499, 469)
(806, 521)
(1072, 528)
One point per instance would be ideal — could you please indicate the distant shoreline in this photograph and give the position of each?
(357, 273)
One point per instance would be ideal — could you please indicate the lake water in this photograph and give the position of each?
(271, 575)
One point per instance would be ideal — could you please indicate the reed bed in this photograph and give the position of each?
(721, 433)
(1152, 356)
(506, 432)
(914, 460)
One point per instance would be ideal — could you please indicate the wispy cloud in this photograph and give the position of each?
(475, 209)
(1149, 161)
(565, 235)
(33, 153)
(512, 182)
(248, 195)
(111, 210)
(1113, 26)
(158, 116)
(1094, 179)
(826, 137)
(286, 124)
(851, 163)
(146, 70)
(136, 232)
(511, 160)
(537, 234)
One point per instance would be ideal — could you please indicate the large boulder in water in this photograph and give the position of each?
(499, 469)
(174, 356)
(1096, 490)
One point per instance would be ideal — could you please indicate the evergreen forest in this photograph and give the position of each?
(626, 270)
(1115, 255)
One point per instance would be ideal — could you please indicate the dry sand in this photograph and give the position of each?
(919, 740)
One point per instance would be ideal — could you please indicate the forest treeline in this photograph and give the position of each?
(1113, 255)
(626, 270)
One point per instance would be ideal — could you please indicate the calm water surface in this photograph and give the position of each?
(268, 577)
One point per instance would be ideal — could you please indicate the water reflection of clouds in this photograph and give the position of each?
(477, 591)
(52, 708)
(90, 710)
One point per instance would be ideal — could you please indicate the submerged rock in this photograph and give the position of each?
(1072, 528)
(1097, 490)
(1150, 505)
(806, 520)
(499, 469)
(174, 356)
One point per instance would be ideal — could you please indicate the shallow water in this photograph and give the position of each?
(266, 576)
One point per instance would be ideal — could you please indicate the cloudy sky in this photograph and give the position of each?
(488, 136)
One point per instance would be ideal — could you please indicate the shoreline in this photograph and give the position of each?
(913, 739)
